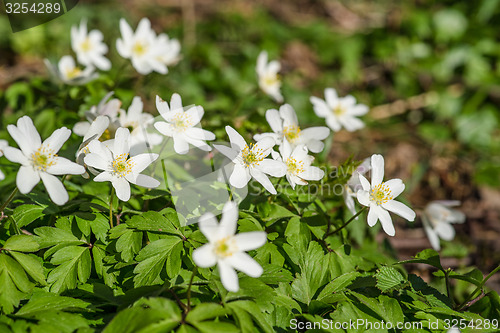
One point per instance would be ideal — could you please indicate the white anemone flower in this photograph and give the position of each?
(96, 129)
(137, 122)
(269, 80)
(141, 47)
(89, 47)
(69, 73)
(3, 145)
(437, 218)
(339, 111)
(117, 167)
(354, 185)
(109, 108)
(298, 164)
(379, 197)
(39, 160)
(170, 49)
(285, 125)
(250, 161)
(182, 126)
(227, 250)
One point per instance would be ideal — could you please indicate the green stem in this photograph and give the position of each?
(479, 288)
(448, 287)
(9, 199)
(189, 289)
(111, 207)
(347, 223)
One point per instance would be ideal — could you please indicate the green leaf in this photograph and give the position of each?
(427, 256)
(211, 327)
(31, 264)
(129, 241)
(49, 302)
(152, 261)
(248, 309)
(50, 236)
(154, 221)
(22, 243)
(338, 284)
(205, 311)
(14, 284)
(26, 214)
(69, 268)
(388, 278)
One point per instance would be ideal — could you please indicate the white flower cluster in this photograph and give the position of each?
(147, 51)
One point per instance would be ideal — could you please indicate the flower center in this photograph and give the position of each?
(294, 167)
(182, 121)
(86, 46)
(380, 194)
(43, 158)
(338, 110)
(251, 156)
(291, 133)
(122, 166)
(225, 247)
(139, 48)
(270, 79)
(73, 72)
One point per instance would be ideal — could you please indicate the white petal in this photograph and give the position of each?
(95, 130)
(372, 216)
(164, 128)
(358, 110)
(227, 151)
(400, 209)
(104, 177)
(385, 219)
(15, 155)
(228, 276)
(445, 231)
(364, 182)
(96, 161)
(63, 166)
(274, 120)
(240, 176)
(122, 142)
(57, 139)
(247, 241)
(333, 123)
(246, 264)
(377, 169)
(396, 186)
(175, 102)
(55, 188)
(312, 173)
(431, 234)
(272, 167)
(331, 97)
(122, 188)
(314, 133)
(351, 124)
(204, 256)
(229, 220)
(363, 198)
(289, 116)
(235, 138)
(209, 227)
(146, 181)
(181, 146)
(263, 180)
(26, 179)
(142, 161)
(200, 134)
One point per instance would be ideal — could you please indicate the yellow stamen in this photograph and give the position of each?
(182, 121)
(72, 73)
(381, 194)
(43, 158)
(122, 166)
(86, 46)
(293, 166)
(338, 110)
(251, 156)
(139, 48)
(225, 247)
(291, 133)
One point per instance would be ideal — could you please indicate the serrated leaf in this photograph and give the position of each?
(152, 261)
(129, 241)
(427, 256)
(50, 302)
(31, 264)
(205, 311)
(50, 236)
(154, 221)
(338, 284)
(65, 275)
(388, 278)
(14, 283)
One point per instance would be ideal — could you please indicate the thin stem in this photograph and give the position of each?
(347, 223)
(448, 287)
(189, 288)
(9, 199)
(479, 288)
(111, 207)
